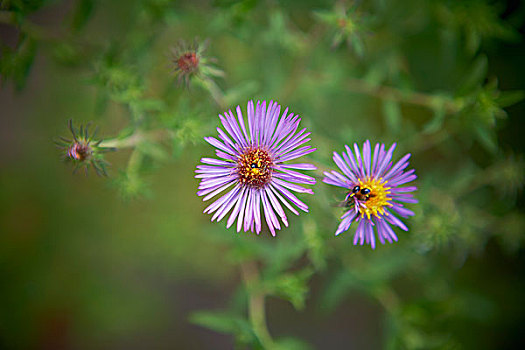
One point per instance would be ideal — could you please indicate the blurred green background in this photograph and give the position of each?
(88, 262)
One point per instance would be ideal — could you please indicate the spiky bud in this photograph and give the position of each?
(83, 150)
(188, 61)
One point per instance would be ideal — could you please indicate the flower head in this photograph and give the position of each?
(375, 195)
(346, 24)
(188, 61)
(83, 150)
(252, 160)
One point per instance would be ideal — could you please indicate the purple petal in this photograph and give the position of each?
(291, 197)
(269, 215)
(211, 208)
(297, 153)
(346, 221)
(349, 159)
(275, 203)
(248, 216)
(370, 235)
(217, 191)
(395, 221)
(217, 144)
(366, 157)
(251, 122)
(336, 179)
(293, 176)
(374, 160)
(257, 210)
(402, 164)
(403, 212)
(214, 161)
(344, 168)
(359, 233)
(227, 205)
(274, 191)
(237, 209)
(383, 165)
(242, 209)
(292, 187)
(299, 166)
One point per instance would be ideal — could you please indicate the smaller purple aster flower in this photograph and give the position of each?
(253, 160)
(375, 195)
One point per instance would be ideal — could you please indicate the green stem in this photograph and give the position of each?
(388, 299)
(134, 163)
(33, 30)
(256, 308)
(410, 97)
(136, 138)
(215, 91)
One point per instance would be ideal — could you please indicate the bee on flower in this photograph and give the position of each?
(376, 191)
(252, 162)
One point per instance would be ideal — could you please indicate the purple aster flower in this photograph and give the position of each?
(252, 160)
(375, 195)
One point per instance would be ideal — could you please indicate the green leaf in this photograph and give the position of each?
(228, 323)
(358, 46)
(126, 132)
(487, 138)
(82, 13)
(475, 75)
(219, 321)
(290, 343)
(16, 64)
(315, 243)
(509, 98)
(291, 286)
(282, 255)
(439, 113)
(153, 150)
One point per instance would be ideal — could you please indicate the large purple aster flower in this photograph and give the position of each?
(252, 160)
(375, 195)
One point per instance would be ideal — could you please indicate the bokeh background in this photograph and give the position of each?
(130, 262)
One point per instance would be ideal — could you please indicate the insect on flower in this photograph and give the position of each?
(83, 150)
(374, 191)
(253, 160)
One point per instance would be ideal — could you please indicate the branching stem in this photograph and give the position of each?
(136, 138)
(257, 313)
(409, 97)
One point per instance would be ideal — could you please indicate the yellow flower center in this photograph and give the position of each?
(254, 167)
(377, 199)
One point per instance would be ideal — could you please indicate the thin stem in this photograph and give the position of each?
(136, 138)
(423, 142)
(25, 26)
(134, 163)
(215, 91)
(388, 299)
(250, 275)
(410, 97)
